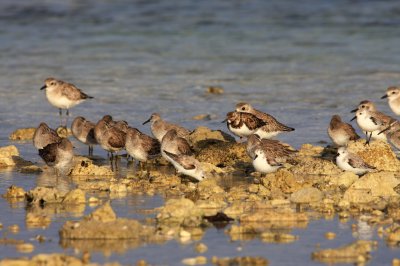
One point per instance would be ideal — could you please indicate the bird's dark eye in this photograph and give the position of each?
(362, 106)
(393, 92)
(51, 83)
(243, 108)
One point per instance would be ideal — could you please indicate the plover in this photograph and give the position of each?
(272, 126)
(186, 164)
(393, 95)
(63, 95)
(141, 146)
(371, 121)
(242, 124)
(44, 136)
(83, 130)
(268, 155)
(160, 127)
(58, 155)
(173, 143)
(340, 132)
(348, 161)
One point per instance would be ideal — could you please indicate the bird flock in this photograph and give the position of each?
(172, 143)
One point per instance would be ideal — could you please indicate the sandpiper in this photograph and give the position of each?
(242, 124)
(160, 127)
(44, 136)
(83, 130)
(371, 121)
(393, 95)
(392, 133)
(141, 146)
(272, 126)
(63, 95)
(109, 137)
(186, 164)
(58, 155)
(173, 143)
(340, 132)
(268, 155)
(348, 161)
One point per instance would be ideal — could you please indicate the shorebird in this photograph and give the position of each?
(160, 127)
(271, 128)
(63, 95)
(268, 155)
(141, 146)
(348, 161)
(110, 138)
(44, 136)
(83, 130)
(186, 164)
(393, 95)
(371, 121)
(58, 155)
(392, 133)
(340, 132)
(173, 143)
(242, 124)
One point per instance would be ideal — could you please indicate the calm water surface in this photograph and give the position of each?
(300, 61)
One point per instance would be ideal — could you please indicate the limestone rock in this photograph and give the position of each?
(223, 154)
(85, 167)
(307, 195)
(180, 212)
(378, 154)
(371, 186)
(358, 251)
(8, 155)
(284, 180)
(76, 196)
(103, 214)
(14, 192)
(22, 134)
(41, 195)
(203, 135)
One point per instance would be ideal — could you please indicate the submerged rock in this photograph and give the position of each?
(14, 192)
(22, 134)
(47, 259)
(256, 261)
(8, 154)
(103, 224)
(356, 252)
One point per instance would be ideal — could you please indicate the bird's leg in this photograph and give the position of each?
(60, 113)
(89, 151)
(66, 120)
(368, 138)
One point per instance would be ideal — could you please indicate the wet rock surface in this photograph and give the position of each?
(22, 134)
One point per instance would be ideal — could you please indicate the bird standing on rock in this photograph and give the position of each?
(63, 95)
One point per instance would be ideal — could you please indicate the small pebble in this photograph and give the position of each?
(200, 248)
(215, 90)
(330, 235)
(14, 228)
(396, 262)
(200, 260)
(25, 248)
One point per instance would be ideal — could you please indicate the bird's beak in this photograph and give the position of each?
(354, 110)
(384, 96)
(224, 121)
(337, 154)
(353, 118)
(147, 121)
(42, 88)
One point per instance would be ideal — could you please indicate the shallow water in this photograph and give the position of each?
(300, 62)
